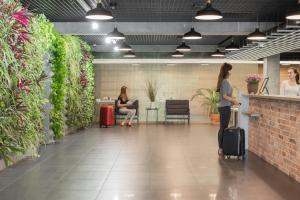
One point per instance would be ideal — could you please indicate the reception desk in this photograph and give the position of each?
(274, 131)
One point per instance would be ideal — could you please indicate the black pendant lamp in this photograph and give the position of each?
(177, 54)
(218, 53)
(99, 13)
(124, 47)
(116, 35)
(192, 35)
(294, 14)
(257, 35)
(208, 13)
(129, 54)
(183, 48)
(232, 47)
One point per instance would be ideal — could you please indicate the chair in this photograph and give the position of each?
(177, 109)
(119, 116)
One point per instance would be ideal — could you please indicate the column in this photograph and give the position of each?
(272, 70)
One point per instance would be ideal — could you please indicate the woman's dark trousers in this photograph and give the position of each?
(225, 113)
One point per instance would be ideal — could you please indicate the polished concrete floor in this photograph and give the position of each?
(148, 162)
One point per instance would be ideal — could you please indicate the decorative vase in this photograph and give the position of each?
(214, 119)
(252, 88)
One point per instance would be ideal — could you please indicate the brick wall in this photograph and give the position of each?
(275, 136)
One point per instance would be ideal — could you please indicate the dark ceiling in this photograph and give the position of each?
(156, 40)
(165, 10)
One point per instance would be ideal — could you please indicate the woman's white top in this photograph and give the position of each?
(289, 90)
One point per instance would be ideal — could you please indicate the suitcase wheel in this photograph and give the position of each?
(241, 157)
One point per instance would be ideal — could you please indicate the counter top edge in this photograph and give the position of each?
(274, 97)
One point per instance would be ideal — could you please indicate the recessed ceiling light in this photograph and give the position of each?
(99, 13)
(208, 13)
(183, 48)
(177, 54)
(129, 195)
(95, 25)
(192, 35)
(257, 35)
(108, 40)
(175, 195)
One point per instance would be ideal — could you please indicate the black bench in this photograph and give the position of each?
(119, 116)
(177, 109)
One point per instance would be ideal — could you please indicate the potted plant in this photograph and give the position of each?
(252, 83)
(211, 100)
(151, 90)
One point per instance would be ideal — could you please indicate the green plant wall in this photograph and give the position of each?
(58, 86)
(87, 86)
(80, 83)
(25, 40)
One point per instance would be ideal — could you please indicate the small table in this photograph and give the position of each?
(152, 109)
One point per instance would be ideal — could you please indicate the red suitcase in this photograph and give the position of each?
(107, 116)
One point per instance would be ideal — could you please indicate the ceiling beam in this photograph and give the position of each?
(162, 28)
(171, 61)
(156, 48)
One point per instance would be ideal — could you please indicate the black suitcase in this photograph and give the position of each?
(234, 142)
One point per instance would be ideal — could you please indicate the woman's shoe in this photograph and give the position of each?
(122, 124)
(220, 152)
(129, 124)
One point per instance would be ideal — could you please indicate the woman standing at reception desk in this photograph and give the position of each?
(291, 87)
(226, 101)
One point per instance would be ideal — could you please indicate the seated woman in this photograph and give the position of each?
(291, 87)
(123, 105)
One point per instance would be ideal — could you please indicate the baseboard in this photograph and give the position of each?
(16, 159)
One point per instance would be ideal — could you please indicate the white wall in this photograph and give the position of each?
(178, 81)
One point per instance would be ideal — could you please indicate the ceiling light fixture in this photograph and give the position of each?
(177, 54)
(208, 13)
(129, 54)
(116, 35)
(294, 14)
(124, 47)
(257, 35)
(183, 48)
(192, 35)
(95, 26)
(99, 13)
(218, 53)
(232, 47)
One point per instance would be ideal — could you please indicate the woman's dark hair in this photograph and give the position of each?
(224, 73)
(297, 77)
(123, 93)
